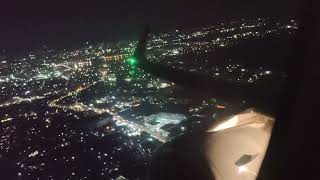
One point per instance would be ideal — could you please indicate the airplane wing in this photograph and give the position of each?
(261, 95)
(232, 147)
(235, 147)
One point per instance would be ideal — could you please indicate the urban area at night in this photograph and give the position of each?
(89, 113)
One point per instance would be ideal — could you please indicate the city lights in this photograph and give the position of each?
(93, 104)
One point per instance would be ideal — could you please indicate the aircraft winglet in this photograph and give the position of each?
(139, 54)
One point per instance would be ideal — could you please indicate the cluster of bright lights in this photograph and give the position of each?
(132, 61)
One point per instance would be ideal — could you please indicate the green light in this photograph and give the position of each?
(132, 61)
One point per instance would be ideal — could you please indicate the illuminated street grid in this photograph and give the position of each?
(86, 113)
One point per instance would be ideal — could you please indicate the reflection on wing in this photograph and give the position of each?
(235, 147)
(231, 149)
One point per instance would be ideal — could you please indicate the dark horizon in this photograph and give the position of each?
(29, 25)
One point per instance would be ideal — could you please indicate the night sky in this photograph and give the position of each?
(29, 24)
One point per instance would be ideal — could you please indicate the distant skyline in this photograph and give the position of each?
(59, 24)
